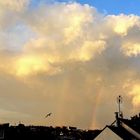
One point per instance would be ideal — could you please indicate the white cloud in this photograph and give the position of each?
(67, 56)
(122, 23)
(131, 48)
(14, 5)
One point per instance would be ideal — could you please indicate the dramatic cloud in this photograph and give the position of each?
(15, 5)
(68, 59)
(122, 23)
(131, 48)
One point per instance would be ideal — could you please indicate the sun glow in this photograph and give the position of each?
(30, 65)
(135, 92)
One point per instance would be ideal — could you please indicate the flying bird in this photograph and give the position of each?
(49, 114)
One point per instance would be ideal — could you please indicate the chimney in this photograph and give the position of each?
(117, 119)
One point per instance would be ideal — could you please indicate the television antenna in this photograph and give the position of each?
(119, 101)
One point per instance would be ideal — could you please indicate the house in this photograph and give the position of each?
(121, 129)
(2, 130)
(107, 134)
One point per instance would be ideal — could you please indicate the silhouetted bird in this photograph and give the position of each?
(49, 114)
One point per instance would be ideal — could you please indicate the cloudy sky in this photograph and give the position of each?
(71, 58)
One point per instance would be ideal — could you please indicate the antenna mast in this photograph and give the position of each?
(119, 101)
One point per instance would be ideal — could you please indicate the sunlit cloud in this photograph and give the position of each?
(67, 58)
(131, 49)
(122, 23)
(135, 93)
(15, 5)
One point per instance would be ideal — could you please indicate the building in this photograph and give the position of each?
(121, 129)
(3, 128)
(107, 134)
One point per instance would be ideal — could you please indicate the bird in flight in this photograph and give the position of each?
(49, 114)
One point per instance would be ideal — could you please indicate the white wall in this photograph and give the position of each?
(107, 134)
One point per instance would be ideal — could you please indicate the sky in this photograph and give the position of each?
(115, 6)
(105, 6)
(70, 58)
